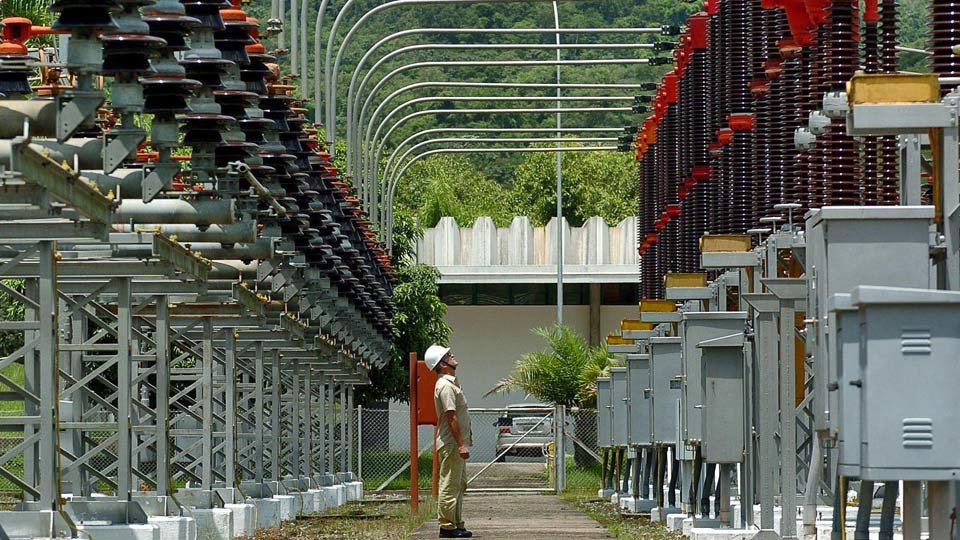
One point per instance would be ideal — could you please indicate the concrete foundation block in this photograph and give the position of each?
(319, 502)
(330, 497)
(341, 494)
(268, 513)
(244, 518)
(175, 527)
(213, 523)
(145, 531)
(722, 534)
(354, 491)
(675, 521)
(661, 514)
(302, 503)
(604, 493)
(686, 526)
(615, 499)
(287, 510)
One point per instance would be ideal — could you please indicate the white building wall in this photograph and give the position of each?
(488, 340)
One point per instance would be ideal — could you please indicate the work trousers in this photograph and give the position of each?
(453, 484)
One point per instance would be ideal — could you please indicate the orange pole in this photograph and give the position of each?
(414, 443)
(436, 464)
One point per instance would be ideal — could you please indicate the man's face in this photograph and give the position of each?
(450, 361)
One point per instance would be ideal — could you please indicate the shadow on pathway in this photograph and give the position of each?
(520, 517)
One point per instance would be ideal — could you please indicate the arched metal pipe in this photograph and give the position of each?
(392, 167)
(387, 225)
(461, 47)
(360, 157)
(417, 114)
(317, 49)
(329, 83)
(395, 111)
(433, 131)
(503, 63)
(515, 63)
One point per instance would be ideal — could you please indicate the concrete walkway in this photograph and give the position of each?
(520, 517)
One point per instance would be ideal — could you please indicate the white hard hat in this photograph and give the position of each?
(434, 354)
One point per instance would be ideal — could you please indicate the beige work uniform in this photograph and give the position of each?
(447, 396)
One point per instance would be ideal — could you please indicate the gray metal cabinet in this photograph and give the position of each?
(695, 327)
(849, 246)
(603, 413)
(724, 398)
(638, 380)
(620, 406)
(910, 361)
(665, 382)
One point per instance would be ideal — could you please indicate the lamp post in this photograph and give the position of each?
(559, 156)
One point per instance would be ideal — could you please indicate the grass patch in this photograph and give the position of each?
(379, 466)
(609, 516)
(354, 521)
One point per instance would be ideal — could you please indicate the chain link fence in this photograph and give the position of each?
(501, 455)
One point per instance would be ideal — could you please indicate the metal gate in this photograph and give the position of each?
(512, 447)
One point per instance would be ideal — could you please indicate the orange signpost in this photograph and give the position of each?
(422, 413)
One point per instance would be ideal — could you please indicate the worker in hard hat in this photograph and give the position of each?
(453, 441)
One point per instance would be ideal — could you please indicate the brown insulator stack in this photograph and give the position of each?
(723, 137)
(802, 166)
(870, 155)
(647, 236)
(945, 33)
(699, 181)
(669, 129)
(686, 249)
(841, 178)
(741, 120)
(775, 114)
(889, 155)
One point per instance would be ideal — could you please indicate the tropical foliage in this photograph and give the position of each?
(565, 373)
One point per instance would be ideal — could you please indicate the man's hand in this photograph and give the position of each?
(464, 451)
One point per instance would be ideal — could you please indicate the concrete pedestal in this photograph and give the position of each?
(675, 521)
(636, 506)
(213, 523)
(354, 491)
(661, 514)
(722, 534)
(341, 494)
(287, 510)
(244, 518)
(303, 503)
(268, 513)
(604, 493)
(319, 502)
(175, 527)
(146, 531)
(331, 496)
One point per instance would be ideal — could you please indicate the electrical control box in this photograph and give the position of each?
(620, 402)
(604, 411)
(910, 366)
(665, 383)
(849, 246)
(638, 380)
(724, 398)
(844, 385)
(695, 327)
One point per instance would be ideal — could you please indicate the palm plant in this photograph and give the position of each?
(565, 373)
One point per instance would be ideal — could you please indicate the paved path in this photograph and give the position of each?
(521, 517)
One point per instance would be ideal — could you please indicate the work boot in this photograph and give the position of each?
(455, 533)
